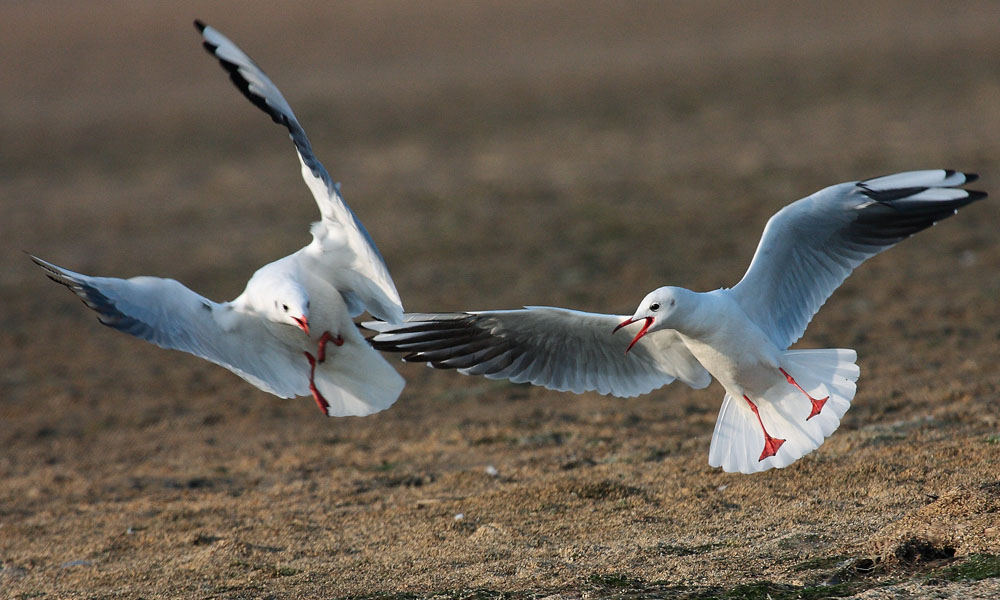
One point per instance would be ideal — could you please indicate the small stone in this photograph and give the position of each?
(492, 471)
(460, 517)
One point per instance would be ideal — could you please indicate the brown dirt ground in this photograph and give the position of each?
(575, 154)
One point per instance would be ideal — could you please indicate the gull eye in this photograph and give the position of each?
(284, 307)
(654, 306)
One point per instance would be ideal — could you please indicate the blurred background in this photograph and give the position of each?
(577, 154)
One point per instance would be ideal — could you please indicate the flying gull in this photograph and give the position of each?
(291, 332)
(780, 404)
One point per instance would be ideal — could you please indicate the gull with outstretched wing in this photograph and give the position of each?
(291, 332)
(780, 404)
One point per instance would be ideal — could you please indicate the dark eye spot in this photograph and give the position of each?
(654, 306)
(284, 307)
(673, 302)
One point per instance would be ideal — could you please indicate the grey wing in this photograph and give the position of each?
(810, 246)
(342, 247)
(165, 313)
(556, 348)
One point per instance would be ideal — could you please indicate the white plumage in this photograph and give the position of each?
(291, 332)
(780, 404)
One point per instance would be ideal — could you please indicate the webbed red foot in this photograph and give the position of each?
(771, 444)
(817, 405)
(327, 337)
(321, 402)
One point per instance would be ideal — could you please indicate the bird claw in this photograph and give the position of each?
(771, 444)
(320, 358)
(321, 402)
(327, 337)
(817, 405)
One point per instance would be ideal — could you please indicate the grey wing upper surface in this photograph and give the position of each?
(342, 247)
(556, 348)
(166, 313)
(810, 246)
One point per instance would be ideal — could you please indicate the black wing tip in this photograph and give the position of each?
(382, 346)
(107, 313)
(200, 25)
(51, 271)
(243, 85)
(969, 177)
(975, 195)
(890, 194)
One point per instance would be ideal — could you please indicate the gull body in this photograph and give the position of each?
(708, 322)
(294, 304)
(780, 403)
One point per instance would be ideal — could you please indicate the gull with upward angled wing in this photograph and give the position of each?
(780, 404)
(291, 332)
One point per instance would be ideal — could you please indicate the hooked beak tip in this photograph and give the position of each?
(627, 321)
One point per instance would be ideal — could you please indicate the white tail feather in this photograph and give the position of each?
(356, 381)
(738, 441)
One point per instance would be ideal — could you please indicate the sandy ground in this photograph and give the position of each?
(576, 154)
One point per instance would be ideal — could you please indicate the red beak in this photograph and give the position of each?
(303, 323)
(642, 332)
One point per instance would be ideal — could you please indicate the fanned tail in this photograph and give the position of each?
(356, 381)
(787, 414)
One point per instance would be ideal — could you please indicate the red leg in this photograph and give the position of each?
(321, 402)
(771, 444)
(323, 340)
(817, 404)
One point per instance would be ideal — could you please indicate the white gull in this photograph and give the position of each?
(291, 332)
(780, 404)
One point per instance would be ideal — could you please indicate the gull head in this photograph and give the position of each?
(289, 305)
(657, 310)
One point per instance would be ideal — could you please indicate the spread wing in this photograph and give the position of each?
(810, 246)
(557, 348)
(341, 247)
(166, 313)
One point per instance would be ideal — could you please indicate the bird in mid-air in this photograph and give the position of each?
(780, 404)
(291, 332)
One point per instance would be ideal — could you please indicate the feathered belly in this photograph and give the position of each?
(742, 364)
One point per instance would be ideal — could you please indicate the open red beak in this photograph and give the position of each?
(642, 332)
(303, 323)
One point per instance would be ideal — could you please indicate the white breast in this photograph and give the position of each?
(327, 309)
(734, 349)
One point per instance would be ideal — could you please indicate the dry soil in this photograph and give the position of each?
(501, 153)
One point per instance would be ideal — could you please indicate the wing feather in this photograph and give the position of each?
(557, 348)
(342, 247)
(809, 247)
(165, 313)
